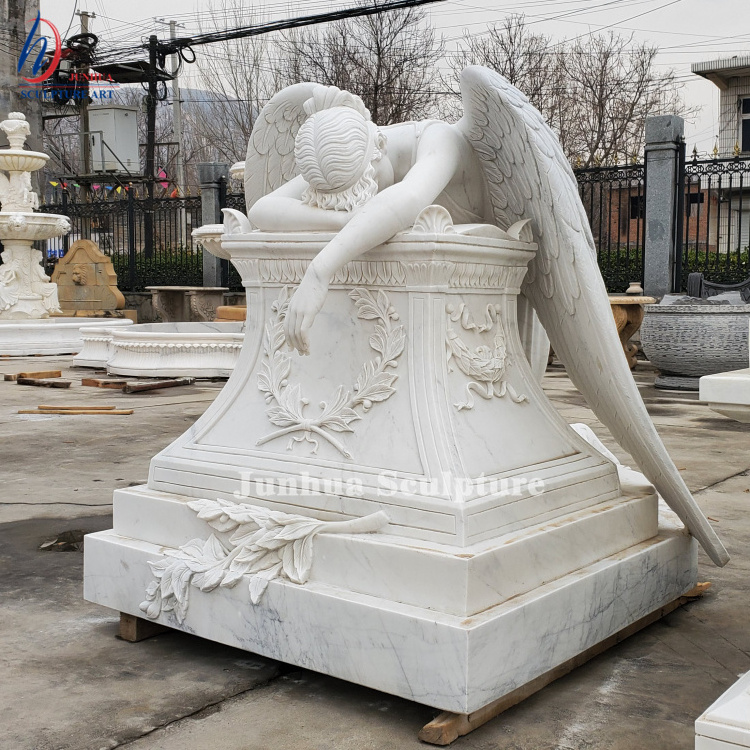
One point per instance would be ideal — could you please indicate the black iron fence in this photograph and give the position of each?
(149, 241)
(713, 220)
(614, 198)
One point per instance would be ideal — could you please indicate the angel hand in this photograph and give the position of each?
(303, 307)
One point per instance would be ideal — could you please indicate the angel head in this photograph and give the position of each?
(337, 150)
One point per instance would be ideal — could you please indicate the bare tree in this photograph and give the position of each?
(521, 56)
(611, 86)
(235, 78)
(389, 59)
(595, 92)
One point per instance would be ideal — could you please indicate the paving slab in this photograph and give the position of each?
(66, 466)
(68, 683)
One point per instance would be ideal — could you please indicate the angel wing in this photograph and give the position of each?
(529, 177)
(270, 151)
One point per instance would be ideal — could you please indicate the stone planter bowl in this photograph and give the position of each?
(685, 342)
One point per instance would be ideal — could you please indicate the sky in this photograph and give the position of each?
(685, 31)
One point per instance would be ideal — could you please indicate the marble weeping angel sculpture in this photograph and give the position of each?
(403, 507)
(331, 168)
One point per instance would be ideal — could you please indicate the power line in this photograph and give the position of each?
(175, 45)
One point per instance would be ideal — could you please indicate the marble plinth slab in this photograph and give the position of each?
(728, 393)
(200, 350)
(49, 335)
(451, 662)
(726, 723)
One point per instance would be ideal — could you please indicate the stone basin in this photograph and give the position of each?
(28, 226)
(20, 160)
(686, 342)
(49, 335)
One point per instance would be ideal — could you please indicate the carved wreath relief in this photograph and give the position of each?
(485, 365)
(374, 382)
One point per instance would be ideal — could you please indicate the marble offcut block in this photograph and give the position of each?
(725, 725)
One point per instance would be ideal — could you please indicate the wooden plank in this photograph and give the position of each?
(44, 382)
(42, 374)
(45, 407)
(134, 629)
(104, 383)
(448, 726)
(141, 386)
(71, 412)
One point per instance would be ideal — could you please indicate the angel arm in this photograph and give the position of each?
(283, 211)
(390, 211)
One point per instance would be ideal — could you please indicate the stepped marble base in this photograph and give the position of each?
(451, 627)
(448, 661)
(49, 335)
(200, 350)
(403, 508)
(726, 723)
(728, 393)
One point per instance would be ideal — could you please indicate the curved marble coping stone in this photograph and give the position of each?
(201, 350)
(50, 335)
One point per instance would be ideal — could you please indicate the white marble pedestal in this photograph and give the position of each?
(726, 723)
(404, 508)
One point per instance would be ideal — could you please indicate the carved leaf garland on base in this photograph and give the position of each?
(375, 382)
(264, 545)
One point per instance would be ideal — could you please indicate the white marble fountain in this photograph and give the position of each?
(28, 298)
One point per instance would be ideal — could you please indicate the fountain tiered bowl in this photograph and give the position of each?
(28, 299)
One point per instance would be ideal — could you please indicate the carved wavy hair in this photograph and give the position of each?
(336, 150)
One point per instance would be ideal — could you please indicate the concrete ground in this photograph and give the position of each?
(69, 683)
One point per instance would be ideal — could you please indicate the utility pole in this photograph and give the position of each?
(176, 106)
(85, 143)
(148, 219)
(85, 136)
(177, 112)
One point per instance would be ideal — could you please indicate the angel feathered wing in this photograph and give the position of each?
(270, 151)
(529, 177)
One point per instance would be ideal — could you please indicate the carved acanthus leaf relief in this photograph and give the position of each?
(485, 365)
(375, 381)
(264, 545)
(387, 273)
